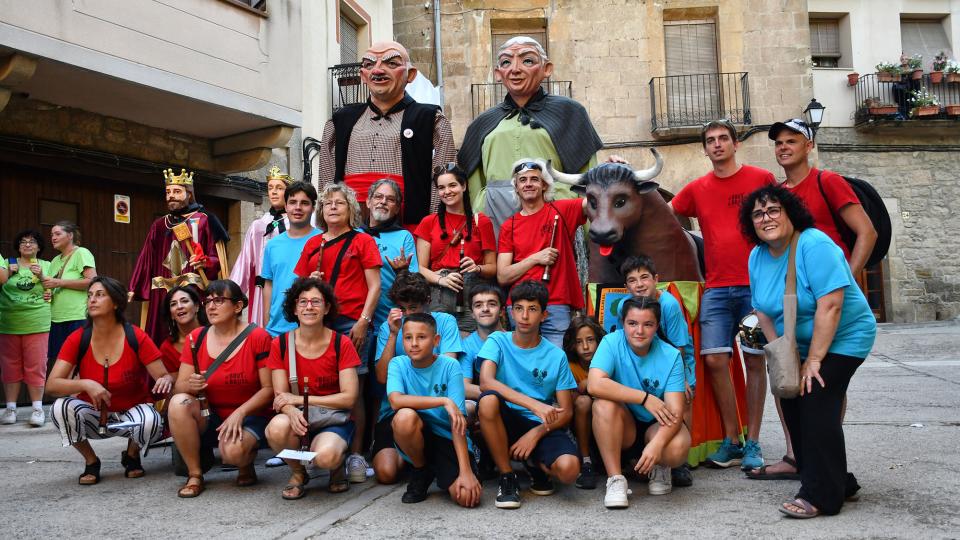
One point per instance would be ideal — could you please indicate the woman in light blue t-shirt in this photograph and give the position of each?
(835, 330)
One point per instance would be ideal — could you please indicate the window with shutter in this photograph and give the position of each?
(825, 42)
(926, 38)
(349, 43)
(692, 84)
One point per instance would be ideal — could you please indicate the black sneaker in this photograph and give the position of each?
(420, 480)
(540, 483)
(587, 478)
(681, 476)
(508, 494)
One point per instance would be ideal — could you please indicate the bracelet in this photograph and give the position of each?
(644, 402)
(439, 279)
(368, 319)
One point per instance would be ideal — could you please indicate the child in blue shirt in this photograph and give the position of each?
(486, 305)
(527, 401)
(637, 383)
(429, 428)
(640, 278)
(411, 293)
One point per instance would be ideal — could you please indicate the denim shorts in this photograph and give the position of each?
(554, 326)
(343, 325)
(721, 309)
(253, 424)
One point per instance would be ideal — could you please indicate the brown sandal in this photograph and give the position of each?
(246, 476)
(338, 480)
(189, 491)
(294, 490)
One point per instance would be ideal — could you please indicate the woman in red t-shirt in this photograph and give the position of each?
(350, 262)
(183, 315)
(109, 341)
(331, 370)
(455, 246)
(237, 392)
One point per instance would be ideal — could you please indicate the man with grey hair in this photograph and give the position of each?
(529, 122)
(536, 243)
(389, 136)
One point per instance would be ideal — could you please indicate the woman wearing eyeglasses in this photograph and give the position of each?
(24, 326)
(835, 331)
(329, 361)
(233, 385)
(349, 261)
(455, 246)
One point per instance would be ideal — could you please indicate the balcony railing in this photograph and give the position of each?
(680, 101)
(346, 87)
(881, 97)
(486, 95)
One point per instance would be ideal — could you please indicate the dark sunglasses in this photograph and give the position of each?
(527, 165)
(448, 168)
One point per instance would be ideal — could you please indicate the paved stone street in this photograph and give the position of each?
(902, 429)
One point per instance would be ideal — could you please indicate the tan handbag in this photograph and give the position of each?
(783, 358)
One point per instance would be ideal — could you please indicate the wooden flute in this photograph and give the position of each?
(201, 395)
(553, 236)
(104, 412)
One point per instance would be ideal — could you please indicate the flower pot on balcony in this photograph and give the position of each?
(852, 78)
(936, 77)
(883, 110)
(917, 74)
(952, 77)
(926, 110)
(886, 76)
(952, 110)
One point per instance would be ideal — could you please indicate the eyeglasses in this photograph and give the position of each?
(216, 300)
(379, 197)
(772, 212)
(312, 302)
(448, 168)
(334, 202)
(28, 242)
(527, 165)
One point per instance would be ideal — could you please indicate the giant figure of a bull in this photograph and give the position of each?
(629, 216)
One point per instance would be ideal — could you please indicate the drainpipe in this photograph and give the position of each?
(436, 48)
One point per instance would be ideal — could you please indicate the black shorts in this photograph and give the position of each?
(636, 449)
(441, 458)
(382, 436)
(553, 445)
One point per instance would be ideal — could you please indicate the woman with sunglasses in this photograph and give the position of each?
(455, 246)
(237, 394)
(24, 326)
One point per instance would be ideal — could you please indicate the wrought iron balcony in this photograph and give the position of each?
(486, 95)
(881, 97)
(346, 87)
(688, 101)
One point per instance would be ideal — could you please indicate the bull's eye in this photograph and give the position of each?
(619, 202)
(592, 201)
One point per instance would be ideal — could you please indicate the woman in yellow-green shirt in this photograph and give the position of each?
(67, 282)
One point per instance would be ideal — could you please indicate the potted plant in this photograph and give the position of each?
(952, 71)
(887, 72)
(852, 78)
(876, 107)
(915, 67)
(939, 63)
(924, 103)
(952, 110)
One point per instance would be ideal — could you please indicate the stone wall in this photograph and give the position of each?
(921, 188)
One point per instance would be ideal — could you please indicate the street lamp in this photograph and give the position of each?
(813, 114)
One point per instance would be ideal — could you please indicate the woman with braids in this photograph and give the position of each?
(455, 246)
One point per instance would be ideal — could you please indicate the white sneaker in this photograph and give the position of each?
(37, 418)
(616, 496)
(9, 416)
(660, 480)
(275, 462)
(356, 469)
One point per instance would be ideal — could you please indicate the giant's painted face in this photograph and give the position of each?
(385, 69)
(177, 197)
(521, 69)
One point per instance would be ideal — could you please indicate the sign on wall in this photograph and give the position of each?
(121, 208)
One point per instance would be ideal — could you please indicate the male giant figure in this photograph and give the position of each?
(186, 243)
(389, 136)
(529, 122)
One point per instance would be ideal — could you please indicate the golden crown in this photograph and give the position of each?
(182, 179)
(275, 174)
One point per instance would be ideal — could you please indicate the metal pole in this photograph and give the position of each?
(436, 48)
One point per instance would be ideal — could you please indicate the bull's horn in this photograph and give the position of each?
(652, 172)
(563, 178)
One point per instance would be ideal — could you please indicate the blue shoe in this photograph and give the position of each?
(728, 455)
(752, 457)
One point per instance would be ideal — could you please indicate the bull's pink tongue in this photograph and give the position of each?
(605, 251)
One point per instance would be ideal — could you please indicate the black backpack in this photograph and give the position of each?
(875, 209)
(88, 334)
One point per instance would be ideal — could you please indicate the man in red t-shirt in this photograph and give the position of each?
(714, 199)
(540, 237)
(793, 142)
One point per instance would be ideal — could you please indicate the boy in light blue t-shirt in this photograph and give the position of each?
(527, 402)
(426, 392)
(486, 304)
(637, 383)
